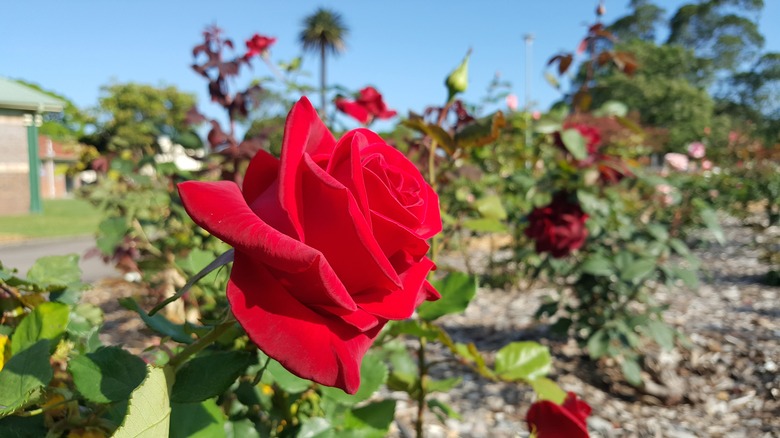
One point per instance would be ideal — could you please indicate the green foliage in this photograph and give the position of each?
(149, 411)
(24, 377)
(223, 368)
(523, 360)
(107, 375)
(457, 290)
(47, 321)
(131, 116)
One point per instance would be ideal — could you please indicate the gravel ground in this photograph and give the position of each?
(728, 378)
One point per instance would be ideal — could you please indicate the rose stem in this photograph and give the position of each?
(200, 344)
(423, 368)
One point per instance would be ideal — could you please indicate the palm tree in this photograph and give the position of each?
(324, 31)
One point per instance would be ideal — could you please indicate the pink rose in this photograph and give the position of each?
(677, 161)
(511, 102)
(330, 244)
(696, 150)
(706, 165)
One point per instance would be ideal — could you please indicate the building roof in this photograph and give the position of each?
(14, 95)
(58, 151)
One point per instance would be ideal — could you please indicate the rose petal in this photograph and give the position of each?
(398, 304)
(220, 208)
(353, 109)
(332, 223)
(304, 132)
(306, 343)
(345, 167)
(261, 173)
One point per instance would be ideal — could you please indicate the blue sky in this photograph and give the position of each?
(404, 47)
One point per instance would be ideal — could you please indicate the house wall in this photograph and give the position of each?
(14, 166)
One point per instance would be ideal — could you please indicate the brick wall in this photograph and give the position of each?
(14, 166)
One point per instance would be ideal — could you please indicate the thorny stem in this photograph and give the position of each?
(201, 343)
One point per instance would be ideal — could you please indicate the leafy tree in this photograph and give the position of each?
(668, 90)
(754, 96)
(719, 30)
(67, 125)
(324, 31)
(641, 23)
(132, 116)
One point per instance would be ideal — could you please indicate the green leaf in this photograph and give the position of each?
(27, 372)
(632, 371)
(661, 333)
(111, 231)
(598, 342)
(598, 266)
(490, 207)
(285, 379)
(197, 420)
(149, 410)
(480, 132)
(84, 319)
(107, 375)
(484, 225)
(457, 290)
(316, 427)
(546, 389)
(47, 321)
(373, 373)
(710, 220)
(612, 108)
(688, 276)
(244, 428)
(575, 143)
(414, 328)
(158, 322)
(373, 420)
(637, 270)
(443, 410)
(591, 204)
(443, 385)
(525, 360)
(60, 270)
(437, 134)
(22, 427)
(222, 369)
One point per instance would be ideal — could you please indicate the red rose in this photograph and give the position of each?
(591, 135)
(559, 227)
(369, 106)
(257, 45)
(550, 420)
(329, 245)
(353, 109)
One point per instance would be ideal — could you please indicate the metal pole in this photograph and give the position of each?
(529, 39)
(32, 122)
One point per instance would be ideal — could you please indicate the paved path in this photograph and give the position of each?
(22, 255)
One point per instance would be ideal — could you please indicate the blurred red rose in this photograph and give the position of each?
(551, 420)
(257, 45)
(592, 136)
(330, 244)
(559, 227)
(368, 106)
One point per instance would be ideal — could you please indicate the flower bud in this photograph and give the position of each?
(458, 80)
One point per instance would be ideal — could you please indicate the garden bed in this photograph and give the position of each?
(726, 384)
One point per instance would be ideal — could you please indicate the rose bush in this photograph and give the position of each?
(551, 420)
(558, 227)
(329, 245)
